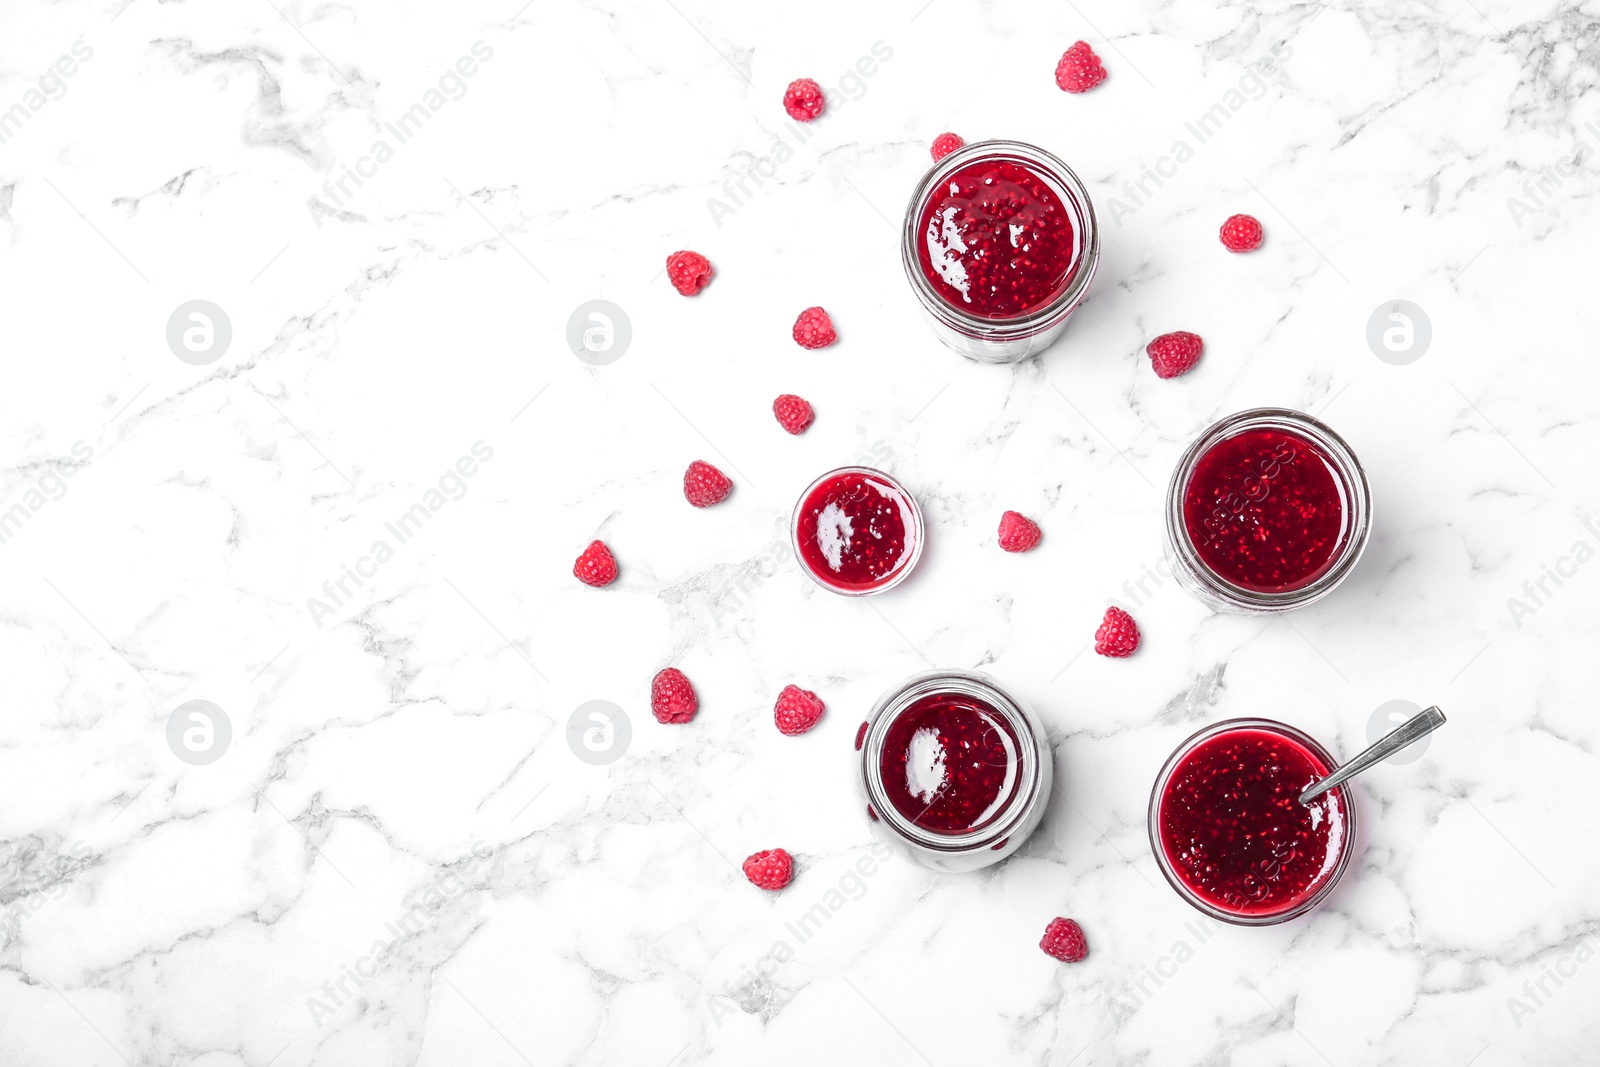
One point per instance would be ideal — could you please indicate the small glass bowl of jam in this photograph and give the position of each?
(856, 531)
(1228, 829)
(1000, 244)
(1268, 510)
(954, 771)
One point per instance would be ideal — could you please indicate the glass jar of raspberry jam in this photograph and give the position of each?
(856, 531)
(1268, 510)
(1228, 829)
(954, 771)
(1000, 244)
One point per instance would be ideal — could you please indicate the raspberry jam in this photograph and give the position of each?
(857, 531)
(954, 771)
(1229, 828)
(949, 763)
(997, 240)
(999, 246)
(1268, 510)
(1265, 510)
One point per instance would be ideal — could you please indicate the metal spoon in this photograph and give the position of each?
(1407, 733)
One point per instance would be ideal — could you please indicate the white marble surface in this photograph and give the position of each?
(406, 756)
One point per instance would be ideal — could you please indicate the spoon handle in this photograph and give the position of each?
(1412, 730)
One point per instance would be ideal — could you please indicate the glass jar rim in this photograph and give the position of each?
(1153, 817)
(1031, 322)
(1032, 747)
(914, 538)
(1346, 466)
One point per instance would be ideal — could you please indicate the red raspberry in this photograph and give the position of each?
(813, 329)
(1173, 353)
(793, 413)
(803, 99)
(797, 710)
(1079, 69)
(1118, 635)
(1018, 533)
(689, 272)
(672, 698)
(596, 566)
(1063, 939)
(704, 485)
(1241, 233)
(944, 144)
(771, 869)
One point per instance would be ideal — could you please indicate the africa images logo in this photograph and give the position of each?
(453, 484)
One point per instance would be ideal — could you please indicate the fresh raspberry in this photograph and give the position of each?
(944, 144)
(770, 869)
(672, 697)
(1241, 233)
(689, 272)
(1173, 353)
(1079, 69)
(813, 329)
(596, 566)
(803, 99)
(796, 711)
(704, 485)
(793, 413)
(1063, 939)
(1018, 533)
(1118, 635)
